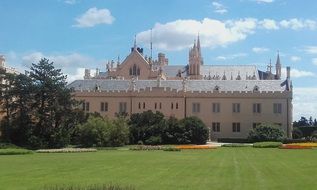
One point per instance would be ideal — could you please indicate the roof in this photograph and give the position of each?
(216, 71)
(191, 85)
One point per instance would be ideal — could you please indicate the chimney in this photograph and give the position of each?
(87, 74)
(288, 72)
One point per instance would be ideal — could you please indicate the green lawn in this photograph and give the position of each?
(223, 168)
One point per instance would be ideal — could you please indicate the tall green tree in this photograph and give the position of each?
(53, 105)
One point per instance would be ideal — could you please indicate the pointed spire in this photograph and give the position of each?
(198, 43)
(134, 46)
(278, 62)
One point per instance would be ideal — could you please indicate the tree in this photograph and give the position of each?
(98, 131)
(266, 132)
(119, 132)
(146, 127)
(39, 107)
(53, 105)
(95, 132)
(195, 131)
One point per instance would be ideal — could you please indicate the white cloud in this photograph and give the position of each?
(314, 60)
(295, 73)
(219, 8)
(297, 24)
(269, 24)
(304, 102)
(295, 58)
(71, 64)
(260, 49)
(93, 17)
(264, 1)
(311, 49)
(180, 34)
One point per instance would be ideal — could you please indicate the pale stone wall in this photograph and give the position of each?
(185, 101)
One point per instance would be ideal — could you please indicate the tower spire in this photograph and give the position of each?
(278, 66)
(134, 46)
(151, 44)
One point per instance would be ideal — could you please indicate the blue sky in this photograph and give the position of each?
(78, 34)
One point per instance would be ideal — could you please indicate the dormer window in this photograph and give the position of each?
(216, 88)
(256, 88)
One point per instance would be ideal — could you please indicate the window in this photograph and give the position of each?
(254, 125)
(122, 107)
(215, 126)
(277, 108)
(236, 127)
(155, 105)
(134, 71)
(172, 105)
(236, 108)
(143, 105)
(139, 105)
(256, 108)
(160, 105)
(216, 107)
(104, 106)
(176, 105)
(196, 108)
(86, 106)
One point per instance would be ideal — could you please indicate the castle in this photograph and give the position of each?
(230, 99)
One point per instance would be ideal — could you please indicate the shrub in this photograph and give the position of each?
(266, 132)
(101, 132)
(8, 145)
(236, 145)
(154, 140)
(13, 151)
(194, 130)
(118, 132)
(267, 144)
(171, 149)
(234, 140)
(146, 147)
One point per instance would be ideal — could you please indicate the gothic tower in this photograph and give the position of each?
(195, 61)
(278, 67)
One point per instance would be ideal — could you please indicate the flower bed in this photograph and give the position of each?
(66, 150)
(312, 145)
(293, 146)
(195, 147)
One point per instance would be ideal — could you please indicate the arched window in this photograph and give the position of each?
(134, 70)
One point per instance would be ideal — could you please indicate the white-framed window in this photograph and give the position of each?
(122, 107)
(215, 107)
(104, 106)
(86, 106)
(256, 108)
(236, 127)
(215, 126)
(196, 107)
(277, 108)
(236, 107)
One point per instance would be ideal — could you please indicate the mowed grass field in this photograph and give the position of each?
(222, 168)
